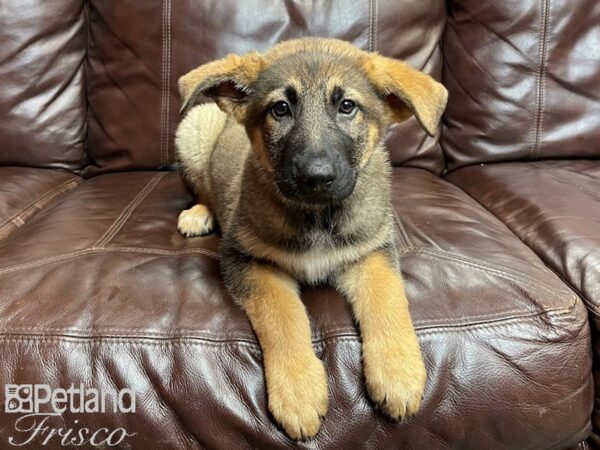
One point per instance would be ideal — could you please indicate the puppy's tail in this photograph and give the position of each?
(195, 139)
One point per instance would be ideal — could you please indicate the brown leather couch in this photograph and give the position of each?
(499, 219)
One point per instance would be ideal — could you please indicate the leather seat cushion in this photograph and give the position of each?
(101, 289)
(554, 208)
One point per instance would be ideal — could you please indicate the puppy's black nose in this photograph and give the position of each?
(317, 175)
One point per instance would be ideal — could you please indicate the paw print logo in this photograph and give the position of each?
(18, 398)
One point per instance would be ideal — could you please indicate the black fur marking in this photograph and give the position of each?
(337, 95)
(291, 95)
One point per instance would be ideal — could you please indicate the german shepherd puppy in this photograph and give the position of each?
(292, 167)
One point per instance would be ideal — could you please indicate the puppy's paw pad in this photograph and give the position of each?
(396, 384)
(299, 400)
(196, 221)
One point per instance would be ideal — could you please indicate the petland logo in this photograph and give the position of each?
(39, 402)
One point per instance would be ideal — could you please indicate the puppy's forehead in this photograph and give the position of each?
(311, 71)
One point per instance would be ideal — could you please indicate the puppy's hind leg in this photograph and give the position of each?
(196, 221)
(195, 139)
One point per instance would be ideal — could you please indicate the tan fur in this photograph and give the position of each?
(242, 71)
(196, 221)
(419, 93)
(296, 378)
(258, 146)
(371, 143)
(393, 365)
(195, 140)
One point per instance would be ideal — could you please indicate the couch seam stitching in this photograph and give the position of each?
(92, 250)
(537, 70)
(162, 85)
(401, 231)
(86, 73)
(41, 200)
(559, 312)
(195, 340)
(370, 29)
(122, 219)
(374, 27)
(163, 252)
(593, 308)
(498, 270)
(168, 83)
(544, 78)
(193, 333)
(540, 81)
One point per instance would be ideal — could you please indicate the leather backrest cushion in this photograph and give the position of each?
(138, 50)
(524, 80)
(42, 89)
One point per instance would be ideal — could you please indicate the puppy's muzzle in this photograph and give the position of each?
(318, 179)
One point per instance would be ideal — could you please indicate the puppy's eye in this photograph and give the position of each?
(280, 109)
(347, 107)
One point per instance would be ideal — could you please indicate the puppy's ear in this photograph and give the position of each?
(228, 81)
(407, 91)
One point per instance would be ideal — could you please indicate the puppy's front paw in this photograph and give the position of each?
(395, 378)
(196, 221)
(298, 397)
